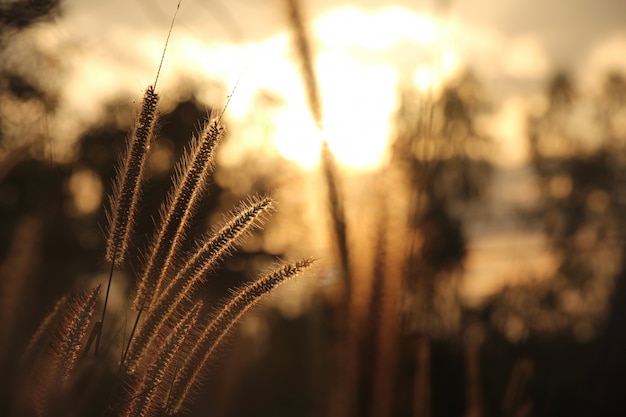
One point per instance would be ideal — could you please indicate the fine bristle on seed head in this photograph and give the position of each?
(127, 189)
(190, 182)
(245, 218)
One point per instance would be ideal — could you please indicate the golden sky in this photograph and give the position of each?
(364, 49)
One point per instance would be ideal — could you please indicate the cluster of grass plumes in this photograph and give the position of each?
(176, 333)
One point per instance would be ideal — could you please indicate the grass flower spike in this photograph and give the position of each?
(125, 199)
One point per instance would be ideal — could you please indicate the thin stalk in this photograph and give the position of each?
(130, 338)
(104, 308)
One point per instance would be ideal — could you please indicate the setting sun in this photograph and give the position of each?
(358, 88)
(358, 101)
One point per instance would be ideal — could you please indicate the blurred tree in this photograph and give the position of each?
(27, 200)
(582, 181)
(443, 152)
(16, 15)
(604, 379)
(28, 95)
(577, 153)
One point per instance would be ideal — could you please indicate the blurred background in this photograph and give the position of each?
(472, 260)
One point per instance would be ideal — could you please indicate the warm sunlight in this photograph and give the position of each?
(296, 137)
(358, 101)
(358, 87)
(355, 28)
(357, 105)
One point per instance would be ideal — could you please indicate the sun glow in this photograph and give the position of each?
(358, 101)
(296, 136)
(357, 85)
(350, 27)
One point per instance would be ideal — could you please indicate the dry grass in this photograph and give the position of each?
(163, 364)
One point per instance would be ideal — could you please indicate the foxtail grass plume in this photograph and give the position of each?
(127, 190)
